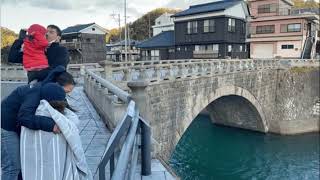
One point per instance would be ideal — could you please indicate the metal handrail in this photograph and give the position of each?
(136, 133)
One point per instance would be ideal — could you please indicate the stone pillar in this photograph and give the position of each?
(107, 65)
(139, 95)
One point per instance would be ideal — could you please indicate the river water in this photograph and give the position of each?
(207, 151)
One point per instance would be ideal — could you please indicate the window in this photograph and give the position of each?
(231, 25)
(155, 53)
(290, 28)
(229, 48)
(209, 25)
(267, 8)
(287, 46)
(265, 29)
(93, 29)
(215, 48)
(240, 48)
(196, 48)
(243, 28)
(192, 27)
(210, 47)
(294, 27)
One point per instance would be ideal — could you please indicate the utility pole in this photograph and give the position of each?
(120, 29)
(125, 30)
(149, 25)
(129, 40)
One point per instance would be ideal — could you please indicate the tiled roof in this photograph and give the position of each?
(164, 39)
(76, 28)
(208, 7)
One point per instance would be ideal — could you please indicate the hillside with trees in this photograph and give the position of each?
(139, 29)
(306, 4)
(7, 38)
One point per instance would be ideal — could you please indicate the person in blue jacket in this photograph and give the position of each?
(18, 109)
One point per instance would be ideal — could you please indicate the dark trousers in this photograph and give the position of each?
(38, 75)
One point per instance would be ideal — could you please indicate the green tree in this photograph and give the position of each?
(306, 4)
(139, 29)
(7, 38)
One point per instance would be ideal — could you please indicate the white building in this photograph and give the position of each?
(163, 23)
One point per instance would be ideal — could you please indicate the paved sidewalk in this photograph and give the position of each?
(95, 136)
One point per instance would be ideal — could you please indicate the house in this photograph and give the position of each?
(159, 47)
(85, 42)
(163, 23)
(116, 51)
(212, 30)
(278, 32)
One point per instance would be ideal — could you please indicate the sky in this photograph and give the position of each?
(17, 14)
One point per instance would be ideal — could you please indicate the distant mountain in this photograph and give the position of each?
(139, 29)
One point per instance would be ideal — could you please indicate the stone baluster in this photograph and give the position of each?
(208, 68)
(127, 74)
(244, 65)
(82, 69)
(181, 73)
(157, 73)
(171, 73)
(142, 74)
(218, 67)
(200, 69)
(190, 70)
(214, 67)
(107, 65)
(232, 65)
(224, 66)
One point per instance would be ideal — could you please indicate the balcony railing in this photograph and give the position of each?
(72, 45)
(205, 54)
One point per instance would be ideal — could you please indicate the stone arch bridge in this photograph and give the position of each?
(276, 96)
(269, 96)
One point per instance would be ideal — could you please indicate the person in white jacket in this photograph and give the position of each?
(54, 156)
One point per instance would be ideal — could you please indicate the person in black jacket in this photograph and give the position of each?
(57, 55)
(18, 109)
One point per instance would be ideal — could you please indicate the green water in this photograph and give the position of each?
(207, 151)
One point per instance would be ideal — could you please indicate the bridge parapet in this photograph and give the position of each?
(17, 72)
(177, 69)
(155, 71)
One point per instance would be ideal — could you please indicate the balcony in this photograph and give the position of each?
(73, 45)
(205, 54)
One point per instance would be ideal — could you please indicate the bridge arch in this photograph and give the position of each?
(225, 96)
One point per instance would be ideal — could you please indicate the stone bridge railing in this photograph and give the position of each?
(17, 73)
(154, 71)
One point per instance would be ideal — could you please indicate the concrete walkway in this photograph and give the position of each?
(95, 136)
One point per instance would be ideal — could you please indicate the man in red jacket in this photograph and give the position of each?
(34, 58)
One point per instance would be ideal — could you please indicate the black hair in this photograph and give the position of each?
(56, 28)
(61, 106)
(65, 78)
